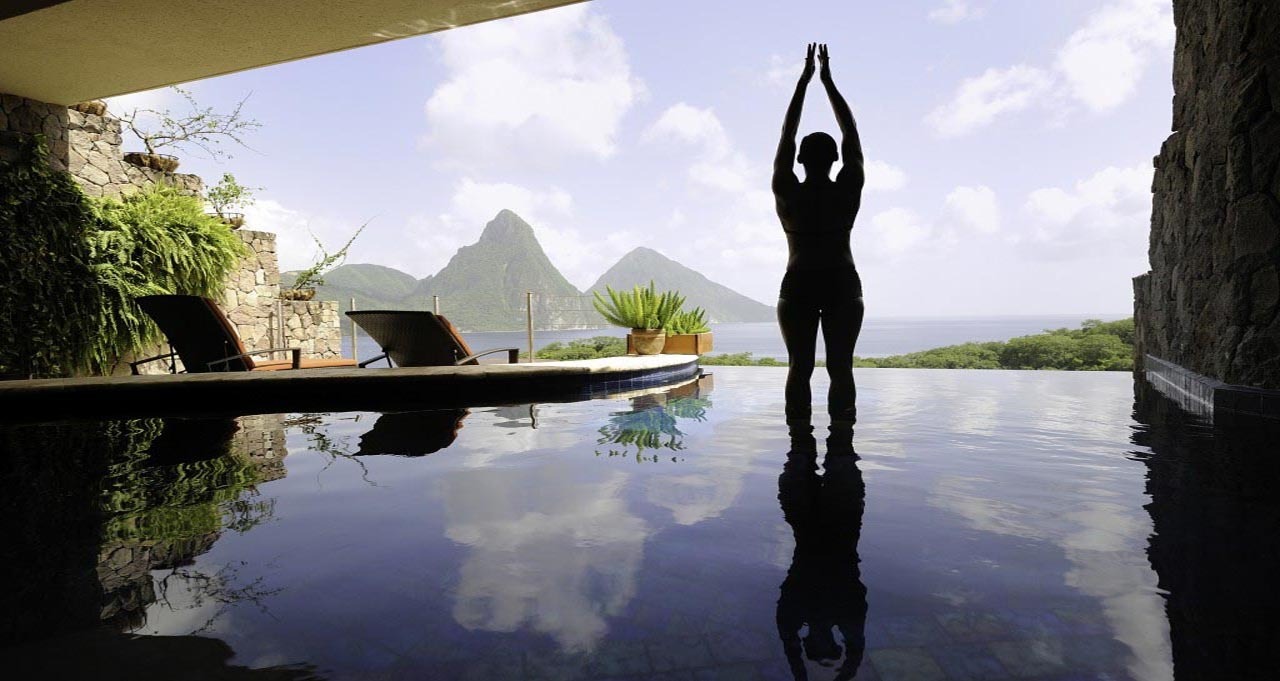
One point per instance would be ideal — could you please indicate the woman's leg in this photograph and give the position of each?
(799, 322)
(841, 325)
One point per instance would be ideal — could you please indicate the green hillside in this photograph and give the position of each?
(721, 303)
(374, 287)
(483, 286)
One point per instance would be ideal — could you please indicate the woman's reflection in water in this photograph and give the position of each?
(823, 588)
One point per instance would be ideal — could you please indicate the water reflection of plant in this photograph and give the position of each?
(652, 427)
(146, 499)
(219, 587)
(313, 426)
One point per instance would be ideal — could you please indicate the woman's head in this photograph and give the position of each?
(818, 150)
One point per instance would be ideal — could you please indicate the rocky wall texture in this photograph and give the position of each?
(95, 157)
(90, 147)
(1211, 300)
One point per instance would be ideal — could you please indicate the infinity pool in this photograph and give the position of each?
(991, 525)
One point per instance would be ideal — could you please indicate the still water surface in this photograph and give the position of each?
(991, 525)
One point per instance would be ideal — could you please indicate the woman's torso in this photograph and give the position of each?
(817, 218)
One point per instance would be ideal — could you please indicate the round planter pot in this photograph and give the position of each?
(96, 107)
(298, 293)
(161, 162)
(648, 342)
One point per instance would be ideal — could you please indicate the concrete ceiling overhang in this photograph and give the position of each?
(68, 51)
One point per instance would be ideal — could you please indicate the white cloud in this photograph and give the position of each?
(782, 72)
(538, 87)
(295, 247)
(1099, 67)
(1103, 61)
(543, 554)
(548, 211)
(883, 177)
(978, 101)
(1108, 212)
(896, 231)
(955, 11)
(975, 208)
(717, 164)
(691, 125)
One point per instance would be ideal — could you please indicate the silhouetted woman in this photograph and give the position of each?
(821, 284)
(823, 588)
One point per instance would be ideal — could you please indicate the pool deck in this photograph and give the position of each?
(341, 389)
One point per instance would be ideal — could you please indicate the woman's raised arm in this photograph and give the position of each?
(784, 162)
(850, 146)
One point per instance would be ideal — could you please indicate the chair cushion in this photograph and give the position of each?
(281, 364)
(463, 348)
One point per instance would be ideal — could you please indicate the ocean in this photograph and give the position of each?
(880, 336)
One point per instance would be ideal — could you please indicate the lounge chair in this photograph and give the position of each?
(415, 338)
(203, 338)
(412, 433)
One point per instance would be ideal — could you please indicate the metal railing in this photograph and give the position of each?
(541, 312)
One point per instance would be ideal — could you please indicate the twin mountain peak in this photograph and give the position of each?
(483, 286)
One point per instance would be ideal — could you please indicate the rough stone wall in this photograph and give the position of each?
(1210, 303)
(86, 145)
(314, 326)
(96, 159)
(90, 147)
(251, 293)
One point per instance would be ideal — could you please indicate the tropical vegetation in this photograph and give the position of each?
(688, 321)
(324, 262)
(1095, 346)
(77, 263)
(640, 308)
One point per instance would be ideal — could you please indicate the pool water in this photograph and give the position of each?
(990, 525)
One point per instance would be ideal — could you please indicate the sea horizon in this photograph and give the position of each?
(881, 335)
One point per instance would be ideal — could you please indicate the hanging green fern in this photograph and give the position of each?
(73, 265)
(154, 241)
(49, 298)
(641, 308)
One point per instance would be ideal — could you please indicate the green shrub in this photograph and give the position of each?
(691, 321)
(73, 266)
(588, 348)
(640, 308)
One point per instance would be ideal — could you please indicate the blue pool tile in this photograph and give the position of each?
(903, 664)
(676, 653)
(968, 662)
(971, 627)
(914, 630)
(1032, 657)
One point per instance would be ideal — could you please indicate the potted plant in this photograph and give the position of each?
(644, 311)
(202, 127)
(688, 333)
(227, 196)
(306, 281)
(96, 107)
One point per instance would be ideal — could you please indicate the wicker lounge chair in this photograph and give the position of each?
(412, 433)
(203, 338)
(414, 338)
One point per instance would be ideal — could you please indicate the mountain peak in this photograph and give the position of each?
(505, 226)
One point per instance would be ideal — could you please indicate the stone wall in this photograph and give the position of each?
(1211, 300)
(90, 148)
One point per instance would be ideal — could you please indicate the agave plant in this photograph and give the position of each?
(641, 308)
(691, 321)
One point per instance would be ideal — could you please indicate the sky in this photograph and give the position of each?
(1008, 144)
